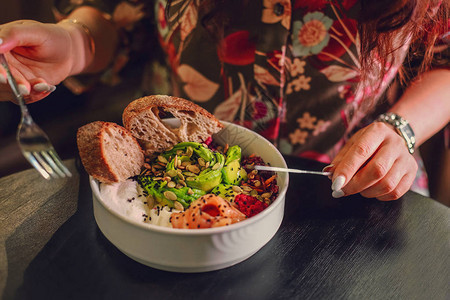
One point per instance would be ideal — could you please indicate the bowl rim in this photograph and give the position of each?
(95, 188)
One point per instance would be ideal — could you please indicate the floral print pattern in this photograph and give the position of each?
(277, 11)
(288, 69)
(160, 15)
(311, 35)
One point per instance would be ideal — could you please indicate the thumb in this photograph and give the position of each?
(6, 44)
(20, 33)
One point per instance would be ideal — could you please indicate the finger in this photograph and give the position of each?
(343, 151)
(403, 186)
(17, 34)
(405, 170)
(346, 147)
(332, 166)
(22, 84)
(387, 183)
(377, 168)
(358, 153)
(39, 89)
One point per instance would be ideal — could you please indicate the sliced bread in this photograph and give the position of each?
(142, 118)
(109, 152)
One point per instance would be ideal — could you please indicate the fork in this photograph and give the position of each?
(33, 141)
(276, 169)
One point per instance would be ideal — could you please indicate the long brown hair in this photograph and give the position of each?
(384, 21)
(381, 23)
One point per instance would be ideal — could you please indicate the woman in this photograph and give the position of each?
(308, 75)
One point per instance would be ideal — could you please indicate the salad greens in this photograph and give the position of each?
(190, 170)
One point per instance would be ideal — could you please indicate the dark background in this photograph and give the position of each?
(62, 113)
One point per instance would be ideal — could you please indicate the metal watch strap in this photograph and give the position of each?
(403, 128)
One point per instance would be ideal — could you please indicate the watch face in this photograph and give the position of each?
(408, 130)
(408, 134)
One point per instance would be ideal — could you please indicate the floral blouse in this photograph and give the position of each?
(287, 69)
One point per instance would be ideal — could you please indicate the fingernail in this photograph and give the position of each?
(23, 90)
(338, 183)
(2, 78)
(338, 194)
(326, 168)
(43, 87)
(1, 41)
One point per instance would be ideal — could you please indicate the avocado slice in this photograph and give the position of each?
(232, 172)
(210, 177)
(233, 153)
(197, 148)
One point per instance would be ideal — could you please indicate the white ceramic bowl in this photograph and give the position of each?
(199, 250)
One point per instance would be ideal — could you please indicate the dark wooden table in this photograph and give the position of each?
(348, 248)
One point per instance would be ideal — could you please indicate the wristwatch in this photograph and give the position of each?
(403, 128)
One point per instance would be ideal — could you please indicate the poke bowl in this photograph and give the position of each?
(198, 250)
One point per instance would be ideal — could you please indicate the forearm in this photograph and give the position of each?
(426, 104)
(104, 35)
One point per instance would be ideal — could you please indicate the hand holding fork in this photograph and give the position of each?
(33, 141)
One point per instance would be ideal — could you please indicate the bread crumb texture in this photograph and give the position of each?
(144, 119)
(109, 152)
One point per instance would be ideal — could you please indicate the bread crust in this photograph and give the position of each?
(91, 149)
(168, 102)
(143, 128)
(163, 137)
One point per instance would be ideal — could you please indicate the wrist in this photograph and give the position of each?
(402, 127)
(82, 45)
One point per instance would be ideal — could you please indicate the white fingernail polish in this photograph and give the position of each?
(52, 88)
(2, 79)
(1, 41)
(338, 183)
(23, 90)
(41, 87)
(338, 194)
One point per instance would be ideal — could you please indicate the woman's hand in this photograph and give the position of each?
(376, 163)
(39, 55)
